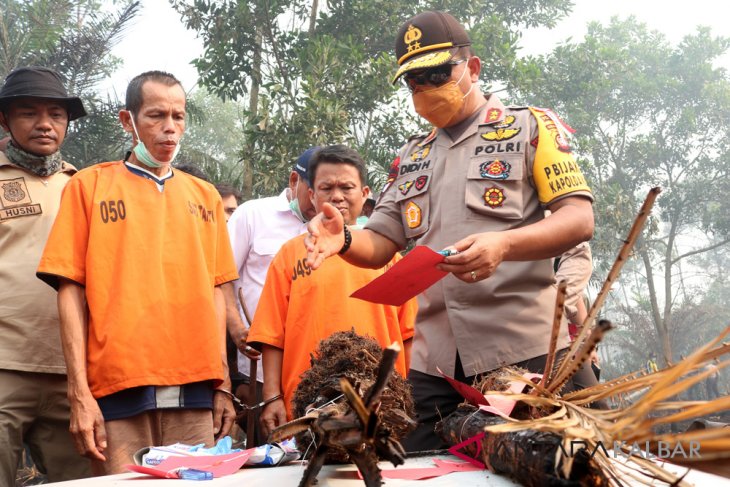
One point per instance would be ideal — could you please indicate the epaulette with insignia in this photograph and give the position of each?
(393, 171)
(554, 117)
(558, 130)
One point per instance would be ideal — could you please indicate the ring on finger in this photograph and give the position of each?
(473, 275)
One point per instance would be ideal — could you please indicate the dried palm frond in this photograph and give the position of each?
(579, 350)
(575, 432)
(543, 416)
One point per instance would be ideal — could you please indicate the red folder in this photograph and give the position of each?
(409, 277)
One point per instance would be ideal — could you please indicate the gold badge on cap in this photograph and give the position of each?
(411, 37)
(413, 215)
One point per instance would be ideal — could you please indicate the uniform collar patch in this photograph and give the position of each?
(493, 115)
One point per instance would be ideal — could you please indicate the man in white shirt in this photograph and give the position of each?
(257, 229)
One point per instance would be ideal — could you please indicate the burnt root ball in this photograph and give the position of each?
(356, 358)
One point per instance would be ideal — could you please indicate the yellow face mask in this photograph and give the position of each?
(440, 105)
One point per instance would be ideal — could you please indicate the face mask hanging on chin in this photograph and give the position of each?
(144, 156)
(294, 204)
(441, 104)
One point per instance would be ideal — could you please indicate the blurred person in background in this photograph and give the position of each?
(257, 229)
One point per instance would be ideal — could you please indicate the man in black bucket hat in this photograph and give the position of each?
(40, 82)
(478, 184)
(34, 142)
(35, 110)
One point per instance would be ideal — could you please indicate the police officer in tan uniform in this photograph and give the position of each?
(479, 183)
(35, 110)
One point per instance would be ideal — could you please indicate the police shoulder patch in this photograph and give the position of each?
(393, 171)
(413, 215)
(555, 171)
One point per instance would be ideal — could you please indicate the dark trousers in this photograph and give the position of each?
(435, 399)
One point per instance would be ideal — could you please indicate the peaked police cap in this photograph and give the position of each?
(428, 40)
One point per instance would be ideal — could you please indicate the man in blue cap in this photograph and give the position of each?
(35, 110)
(258, 228)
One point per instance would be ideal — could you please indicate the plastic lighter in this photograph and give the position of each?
(193, 474)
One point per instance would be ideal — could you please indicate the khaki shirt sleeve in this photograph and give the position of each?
(386, 218)
(555, 172)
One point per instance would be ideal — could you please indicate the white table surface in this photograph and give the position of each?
(342, 476)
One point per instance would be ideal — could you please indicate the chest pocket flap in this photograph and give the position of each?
(266, 246)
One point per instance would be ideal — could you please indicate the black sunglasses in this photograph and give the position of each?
(434, 76)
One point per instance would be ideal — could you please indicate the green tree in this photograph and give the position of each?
(75, 38)
(647, 114)
(212, 136)
(312, 74)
